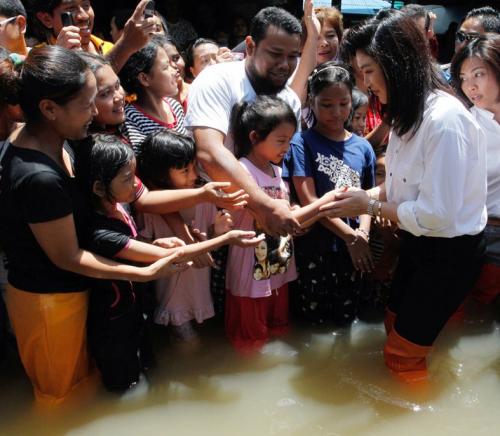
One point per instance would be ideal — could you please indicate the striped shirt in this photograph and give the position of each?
(139, 124)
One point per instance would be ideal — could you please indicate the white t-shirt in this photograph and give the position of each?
(438, 176)
(217, 89)
(491, 129)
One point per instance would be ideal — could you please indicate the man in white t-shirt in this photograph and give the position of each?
(273, 49)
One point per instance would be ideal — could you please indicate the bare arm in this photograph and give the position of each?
(58, 240)
(143, 252)
(221, 165)
(135, 36)
(172, 200)
(308, 56)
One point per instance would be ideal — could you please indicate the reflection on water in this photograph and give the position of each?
(311, 383)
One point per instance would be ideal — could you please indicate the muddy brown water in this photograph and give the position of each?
(321, 382)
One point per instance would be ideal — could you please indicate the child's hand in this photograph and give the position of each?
(167, 266)
(360, 252)
(204, 259)
(169, 242)
(214, 193)
(244, 238)
(223, 222)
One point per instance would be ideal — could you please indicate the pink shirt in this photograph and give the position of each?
(255, 272)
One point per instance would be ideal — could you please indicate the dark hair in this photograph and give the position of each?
(35, 6)
(488, 17)
(99, 159)
(160, 152)
(121, 16)
(189, 57)
(12, 8)
(485, 47)
(94, 61)
(52, 73)
(9, 80)
(359, 98)
(273, 16)
(401, 51)
(327, 74)
(416, 12)
(262, 116)
(140, 62)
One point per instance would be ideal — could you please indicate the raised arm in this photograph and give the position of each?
(309, 53)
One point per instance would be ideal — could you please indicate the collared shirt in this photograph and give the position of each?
(491, 129)
(438, 175)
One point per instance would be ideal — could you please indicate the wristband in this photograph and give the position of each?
(371, 204)
(364, 232)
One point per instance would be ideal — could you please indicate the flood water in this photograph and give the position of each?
(312, 382)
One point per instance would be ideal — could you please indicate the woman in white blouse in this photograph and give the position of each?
(476, 74)
(435, 188)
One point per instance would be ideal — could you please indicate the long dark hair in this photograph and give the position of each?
(160, 152)
(100, 158)
(485, 47)
(50, 73)
(399, 48)
(262, 116)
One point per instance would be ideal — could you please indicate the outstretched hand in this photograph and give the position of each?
(214, 193)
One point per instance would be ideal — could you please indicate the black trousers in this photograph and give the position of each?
(433, 278)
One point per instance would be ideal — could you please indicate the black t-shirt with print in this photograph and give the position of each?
(34, 189)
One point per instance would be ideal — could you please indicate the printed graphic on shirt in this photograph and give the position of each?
(272, 256)
(338, 172)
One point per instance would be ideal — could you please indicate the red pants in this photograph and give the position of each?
(250, 322)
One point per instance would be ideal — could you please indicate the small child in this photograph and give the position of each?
(105, 170)
(257, 278)
(357, 121)
(167, 161)
(323, 158)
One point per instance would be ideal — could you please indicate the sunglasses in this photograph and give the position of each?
(463, 36)
(7, 20)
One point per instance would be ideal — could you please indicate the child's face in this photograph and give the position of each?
(161, 79)
(275, 146)
(380, 170)
(183, 178)
(358, 123)
(124, 185)
(110, 99)
(332, 107)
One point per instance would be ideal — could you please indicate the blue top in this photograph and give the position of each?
(332, 165)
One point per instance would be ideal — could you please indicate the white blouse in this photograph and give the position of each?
(438, 175)
(491, 129)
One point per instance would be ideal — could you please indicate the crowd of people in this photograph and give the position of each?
(313, 170)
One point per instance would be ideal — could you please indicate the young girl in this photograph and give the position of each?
(167, 161)
(150, 75)
(105, 172)
(257, 279)
(476, 71)
(324, 158)
(357, 120)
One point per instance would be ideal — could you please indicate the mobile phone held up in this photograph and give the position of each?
(149, 10)
(67, 19)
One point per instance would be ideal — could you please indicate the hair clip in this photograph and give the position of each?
(329, 67)
(16, 59)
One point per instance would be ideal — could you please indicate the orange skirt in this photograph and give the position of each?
(51, 336)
